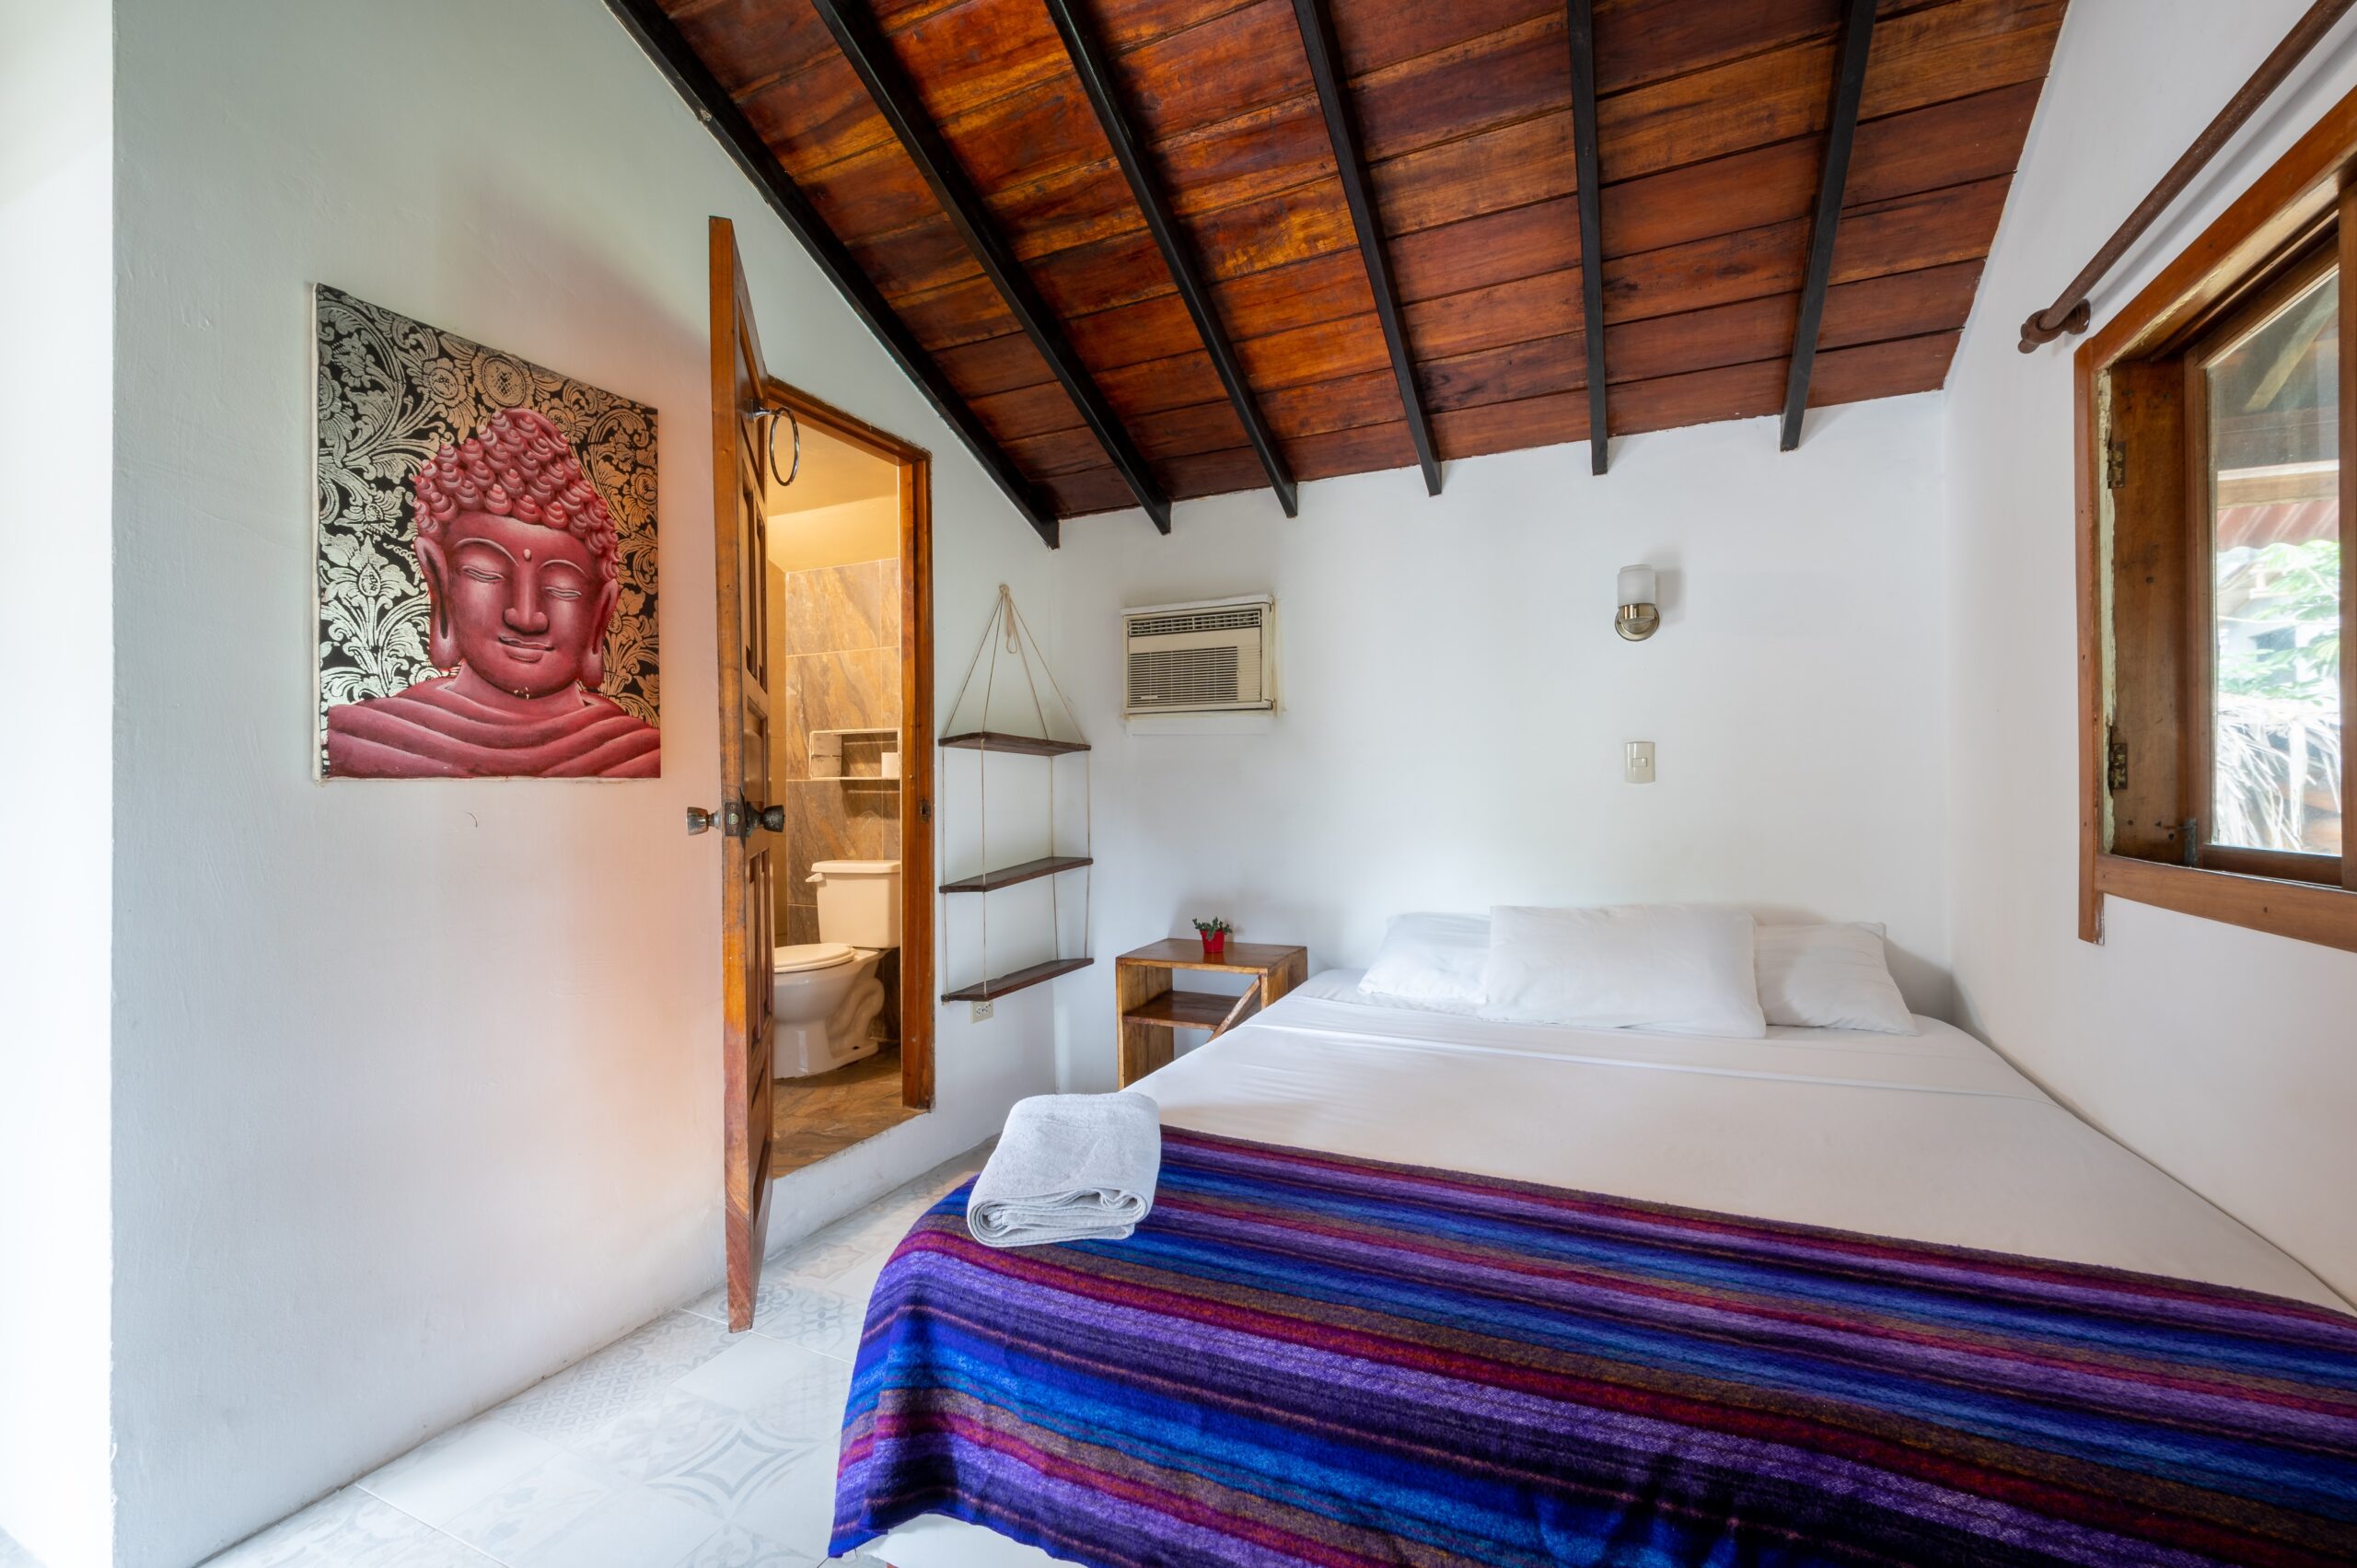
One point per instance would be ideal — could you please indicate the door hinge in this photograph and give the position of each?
(2115, 766)
(2114, 462)
(2190, 847)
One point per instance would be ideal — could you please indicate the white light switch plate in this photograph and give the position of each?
(982, 1010)
(1637, 767)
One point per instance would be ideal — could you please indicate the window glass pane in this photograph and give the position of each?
(2275, 605)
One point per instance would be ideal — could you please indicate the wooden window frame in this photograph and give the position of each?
(2151, 351)
(2282, 285)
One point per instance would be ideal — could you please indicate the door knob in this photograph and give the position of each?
(732, 819)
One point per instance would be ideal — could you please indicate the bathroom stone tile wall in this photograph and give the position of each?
(841, 671)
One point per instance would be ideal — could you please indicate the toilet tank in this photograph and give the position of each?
(859, 901)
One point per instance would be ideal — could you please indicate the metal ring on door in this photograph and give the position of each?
(770, 446)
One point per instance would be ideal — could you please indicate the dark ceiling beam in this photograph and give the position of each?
(1848, 87)
(1581, 18)
(864, 44)
(1350, 162)
(1089, 63)
(672, 54)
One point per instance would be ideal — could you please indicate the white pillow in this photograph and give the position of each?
(1430, 961)
(1635, 966)
(1829, 977)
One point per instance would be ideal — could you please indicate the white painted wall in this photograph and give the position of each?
(416, 1086)
(362, 1186)
(1456, 698)
(2227, 1057)
(56, 314)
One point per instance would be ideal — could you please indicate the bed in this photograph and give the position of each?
(1928, 1138)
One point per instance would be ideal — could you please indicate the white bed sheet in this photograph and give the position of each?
(1928, 1137)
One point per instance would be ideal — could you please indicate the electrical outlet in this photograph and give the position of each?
(982, 1010)
(1638, 766)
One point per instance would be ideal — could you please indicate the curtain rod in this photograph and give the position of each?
(2070, 312)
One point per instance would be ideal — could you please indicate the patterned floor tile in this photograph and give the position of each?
(735, 1547)
(676, 1342)
(438, 1480)
(350, 1530)
(633, 1529)
(809, 1404)
(815, 1319)
(838, 1270)
(733, 1466)
(537, 1507)
(677, 1447)
(756, 1370)
(438, 1550)
(885, 1222)
(789, 1308)
(796, 1508)
(633, 1371)
(646, 1442)
(826, 1257)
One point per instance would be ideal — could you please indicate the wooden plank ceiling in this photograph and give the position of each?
(1712, 121)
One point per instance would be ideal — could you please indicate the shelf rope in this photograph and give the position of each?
(1007, 625)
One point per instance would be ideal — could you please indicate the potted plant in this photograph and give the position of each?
(1215, 934)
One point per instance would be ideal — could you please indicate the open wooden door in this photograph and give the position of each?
(749, 822)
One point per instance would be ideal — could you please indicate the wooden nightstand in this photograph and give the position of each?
(1153, 1009)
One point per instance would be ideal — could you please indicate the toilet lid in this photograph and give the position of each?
(808, 956)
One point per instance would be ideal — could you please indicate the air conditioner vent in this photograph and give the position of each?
(1198, 620)
(1182, 678)
(1196, 658)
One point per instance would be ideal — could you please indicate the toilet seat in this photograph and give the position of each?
(803, 956)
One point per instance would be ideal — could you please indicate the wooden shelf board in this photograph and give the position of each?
(1007, 877)
(1020, 980)
(1187, 953)
(999, 741)
(1183, 1010)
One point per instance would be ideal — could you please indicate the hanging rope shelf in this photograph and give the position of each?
(1039, 732)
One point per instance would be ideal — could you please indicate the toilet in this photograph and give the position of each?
(825, 993)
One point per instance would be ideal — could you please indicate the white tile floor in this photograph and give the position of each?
(677, 1447)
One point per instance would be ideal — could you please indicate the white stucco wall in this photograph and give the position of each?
(1456, 700)
(368, 1177)
(57, 312)
(2227, 1057)
(416, 1085)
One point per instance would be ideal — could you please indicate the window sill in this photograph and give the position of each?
(2303, 911)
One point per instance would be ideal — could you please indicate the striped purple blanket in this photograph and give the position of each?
(1305, 1359)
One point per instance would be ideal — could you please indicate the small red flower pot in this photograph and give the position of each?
(1215, 944)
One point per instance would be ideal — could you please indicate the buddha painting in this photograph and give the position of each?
(522, 573)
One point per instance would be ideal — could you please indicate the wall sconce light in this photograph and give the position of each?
(1640, 615)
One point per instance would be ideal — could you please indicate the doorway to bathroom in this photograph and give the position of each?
(846, 579)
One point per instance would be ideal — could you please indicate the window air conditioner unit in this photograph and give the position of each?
(1212, 656)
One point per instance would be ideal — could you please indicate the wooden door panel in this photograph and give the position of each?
(747, 933)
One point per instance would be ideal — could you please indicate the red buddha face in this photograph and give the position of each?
(523, 606)
(519, 557)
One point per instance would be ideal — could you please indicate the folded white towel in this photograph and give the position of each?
(1069, 1167)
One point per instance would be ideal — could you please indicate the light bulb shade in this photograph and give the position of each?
(1636, 586)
